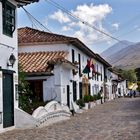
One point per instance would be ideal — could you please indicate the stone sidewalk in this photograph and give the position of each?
(115, 120)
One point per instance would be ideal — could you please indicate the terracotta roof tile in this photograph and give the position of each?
(38, 61)
(25, 2)
(30, 35)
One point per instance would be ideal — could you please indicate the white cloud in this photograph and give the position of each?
(115, 26)
(60, 16)
(66, 28)
(93, 14)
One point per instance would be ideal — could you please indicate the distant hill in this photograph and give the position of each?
(115, 48)
(127, 57)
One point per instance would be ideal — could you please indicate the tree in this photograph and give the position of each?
(137, 70)
(130, 75)
(25, 94)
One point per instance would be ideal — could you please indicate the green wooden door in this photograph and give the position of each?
(8, 100)
(80, 90)
(68, 95)
(74, 91)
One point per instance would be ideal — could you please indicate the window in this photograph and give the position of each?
(101, 73)
(96, 71)
(79, 59)
(97, 74)
(8, 18)
(73, 56)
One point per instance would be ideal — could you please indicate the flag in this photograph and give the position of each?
(87, 68)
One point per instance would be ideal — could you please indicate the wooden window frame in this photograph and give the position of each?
(9, 15)
(73, 55)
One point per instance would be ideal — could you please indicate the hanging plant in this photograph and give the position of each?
(74, 72)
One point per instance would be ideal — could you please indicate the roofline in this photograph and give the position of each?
(77, 42)
(99, 58)
(71, 40)
(21, 3)
(42, 43)
(38, 74)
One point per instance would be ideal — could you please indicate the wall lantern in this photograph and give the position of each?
(12, 60)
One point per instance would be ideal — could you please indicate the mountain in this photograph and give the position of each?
(126, 57)
(115, 48)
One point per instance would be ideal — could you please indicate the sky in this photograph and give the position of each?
(118, 18)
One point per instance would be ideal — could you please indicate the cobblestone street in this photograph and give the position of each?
(115, 120)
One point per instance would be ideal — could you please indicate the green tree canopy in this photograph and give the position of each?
(129, 75)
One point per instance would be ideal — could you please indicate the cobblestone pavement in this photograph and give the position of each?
(115, 120)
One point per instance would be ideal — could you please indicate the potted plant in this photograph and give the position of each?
(86, 100)
(76, 62)
(98, 98)
(74, 72)
(91, 101)
(81, 103)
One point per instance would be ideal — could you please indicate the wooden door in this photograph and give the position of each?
(68, 95)
(8, 100)
(74, 91)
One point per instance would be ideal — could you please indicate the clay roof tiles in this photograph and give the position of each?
(39, 61)
(25, 2)
(30, 35)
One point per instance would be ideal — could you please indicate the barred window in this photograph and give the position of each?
(8, 18)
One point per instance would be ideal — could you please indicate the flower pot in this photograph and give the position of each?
(92, 104)
(98, 102)
(86, 106)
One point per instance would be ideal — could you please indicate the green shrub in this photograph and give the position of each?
(81, 103)
(95, 97)
(98, 96)
(86, 98)
(91, 99)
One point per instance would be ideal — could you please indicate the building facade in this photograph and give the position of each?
(69, 79)
(8, 61)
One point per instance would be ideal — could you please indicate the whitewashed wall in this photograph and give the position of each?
(48, 47)
(122, 86)
(110, 76)
(5, 53)
(52, 85)
(62, 75)
(6, 40)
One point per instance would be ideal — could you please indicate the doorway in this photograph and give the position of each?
(68, 95)
(8, 99)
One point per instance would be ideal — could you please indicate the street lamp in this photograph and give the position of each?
(12, 60)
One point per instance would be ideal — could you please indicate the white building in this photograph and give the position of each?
(8, 61)
(54, 66)
(117, 86)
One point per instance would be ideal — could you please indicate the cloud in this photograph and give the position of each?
(115, 26)
(93, 14)
(66, 28)
(60, 16)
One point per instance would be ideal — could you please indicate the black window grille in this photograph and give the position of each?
(8, 18)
